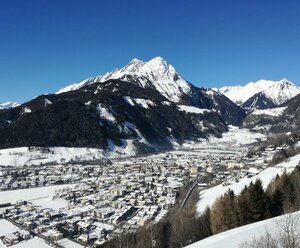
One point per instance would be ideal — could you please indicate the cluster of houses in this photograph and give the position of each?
(13, 238)
(38, 176)
(105, 201)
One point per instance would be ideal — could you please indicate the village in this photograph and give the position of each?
(100, 202)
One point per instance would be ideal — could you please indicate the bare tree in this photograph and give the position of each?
(286, 235)
(288, 231)
(265, 241)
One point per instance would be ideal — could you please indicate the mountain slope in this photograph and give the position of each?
(285, 118)
(258, 101)
(156, 73)
(234, 238)
(106, 115)
(162, 77)
(276, 92)
(7, 105)
(143, 107)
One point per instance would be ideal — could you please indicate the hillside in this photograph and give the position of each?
(235, 237)
(285, 118)
(143, 107)
(209, 196)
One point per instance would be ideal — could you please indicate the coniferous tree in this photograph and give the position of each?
(243, 202)
(259, 202)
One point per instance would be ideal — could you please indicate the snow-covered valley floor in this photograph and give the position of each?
(233, 142)
(41, 196)
(235, 138)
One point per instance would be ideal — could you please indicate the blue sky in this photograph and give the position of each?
(47, 44)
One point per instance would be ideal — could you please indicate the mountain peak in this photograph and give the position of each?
(284, 83)
(161, 66)
(135, 61)
(276, 91)
(156, 73)
(7, 105)
(157, 61)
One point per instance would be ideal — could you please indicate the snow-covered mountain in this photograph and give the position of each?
(159, 75)
(8, 105)
(285, 118)
(142, 107)
(276, 91)
(258, 101)
(156, 73)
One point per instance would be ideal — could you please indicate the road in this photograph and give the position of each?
(188, 194)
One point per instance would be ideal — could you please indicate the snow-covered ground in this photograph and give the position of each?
(36, 242)
(6, 227)
(208, 197)
(271, 112)
(235, 237)
(145, 103)
(24, 156)
(12, 196)
(105, 113)
(235, 138)
(49, 202)
(67, 243)
(191, 109)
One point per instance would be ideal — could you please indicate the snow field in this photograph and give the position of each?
(235, 237)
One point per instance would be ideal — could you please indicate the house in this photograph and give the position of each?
(82, 225)
(10, 239)
(84, 239)
(24, 234)
(53, 234)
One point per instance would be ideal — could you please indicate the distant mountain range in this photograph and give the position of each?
(7, 105)
(262, 94)
(142, 107)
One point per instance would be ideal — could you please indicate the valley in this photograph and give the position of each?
(139, 155)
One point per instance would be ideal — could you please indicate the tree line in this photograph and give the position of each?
(255, 204)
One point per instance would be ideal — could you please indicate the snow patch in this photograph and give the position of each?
(126, 149)
(27, 110)
(105, 114)
(128, 100)
(167, 103)
(191, 109)
(145, 103)
(47, 102)
(271, 112)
